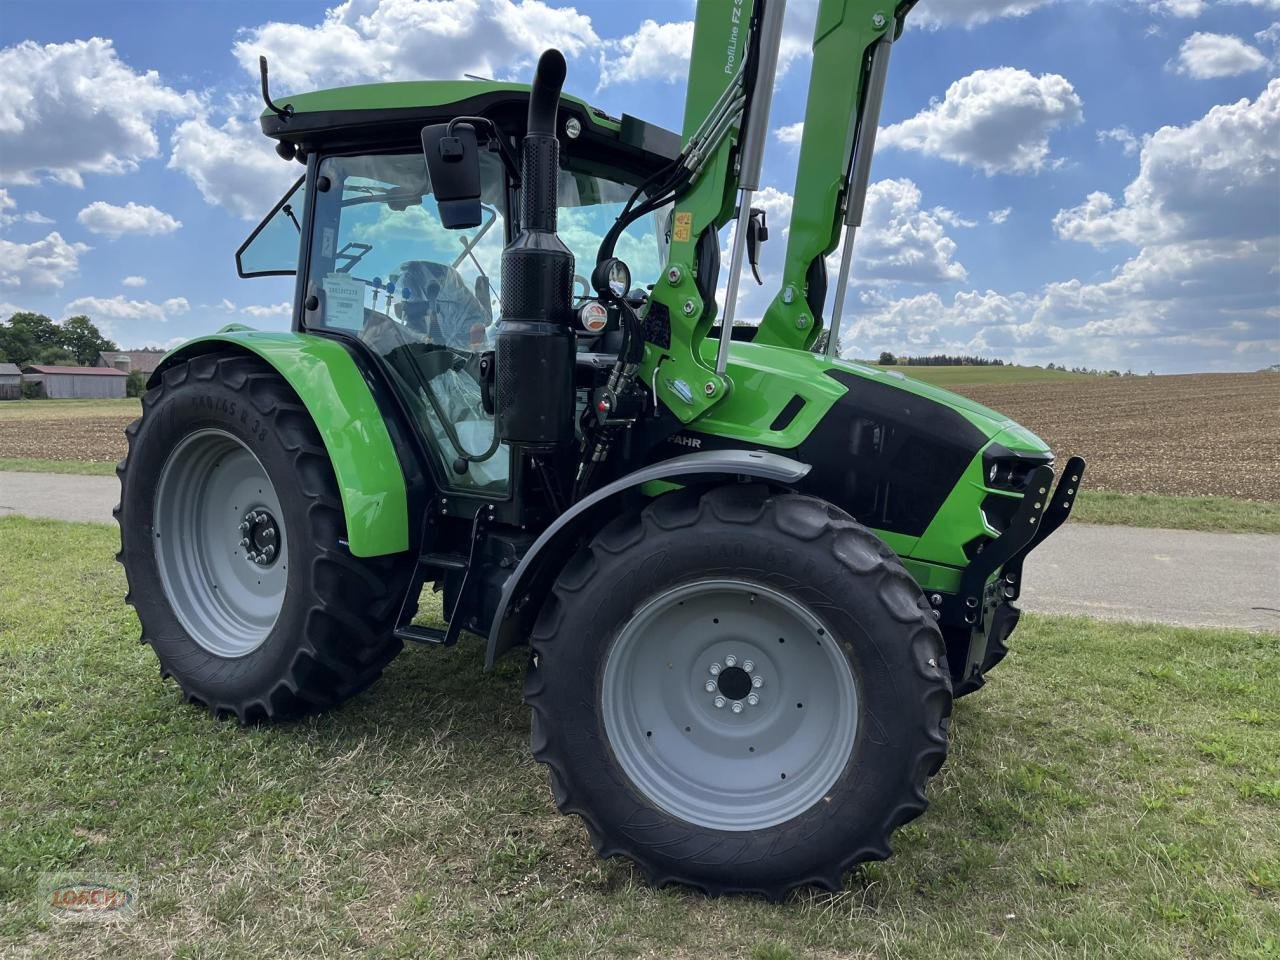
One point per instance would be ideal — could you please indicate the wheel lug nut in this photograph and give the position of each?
(757, 681)
(244, 541)
(720, 702)
(714, 669)
(711, 686)
(730, 660)
(244, 526)
(737, 706)
(748, 665)
(269, 551)
(753, 698)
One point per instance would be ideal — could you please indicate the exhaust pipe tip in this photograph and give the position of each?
(544, 95)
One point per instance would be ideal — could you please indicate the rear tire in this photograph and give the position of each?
(225, 452)
(764, 565)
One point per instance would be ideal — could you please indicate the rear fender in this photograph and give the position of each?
(537, 570)
(329, 384)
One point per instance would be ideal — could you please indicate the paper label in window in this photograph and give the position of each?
(343, 301)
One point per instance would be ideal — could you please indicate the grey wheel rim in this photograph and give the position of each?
(220, 543)
(729, 705)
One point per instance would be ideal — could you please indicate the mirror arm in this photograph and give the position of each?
(508, 158)
(285, 112)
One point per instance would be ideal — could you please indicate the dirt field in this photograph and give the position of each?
(1200, 435)
(84, 430)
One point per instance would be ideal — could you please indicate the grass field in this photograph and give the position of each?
(1113, 792)
(68, 409)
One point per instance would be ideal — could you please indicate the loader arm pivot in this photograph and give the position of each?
(731, 78)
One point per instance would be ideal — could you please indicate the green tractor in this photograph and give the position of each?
(751, 575)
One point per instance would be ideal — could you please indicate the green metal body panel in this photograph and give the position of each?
(845, 30)
(330, 385)
(767, 378)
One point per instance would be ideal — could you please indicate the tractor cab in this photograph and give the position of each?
(377, 264)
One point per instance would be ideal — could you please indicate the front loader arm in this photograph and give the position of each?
(839, 136)
(731, 72)
(679, 316)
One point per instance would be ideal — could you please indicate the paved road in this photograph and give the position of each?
(59, 496)
(1172, 576)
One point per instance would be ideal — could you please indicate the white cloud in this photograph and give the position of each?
(7, 215)
(1205, 56)
(900, 242)
(41, 265)
(259, 311)
(1183, 9)
(1200, 292)
(791, 134)
(998, 217)
(1123, 136)
(969, 13)
(661, 51)
(137, 218)
(232, 165)
(656, 51)
(1214, 178)
(67, 109)
(121, 308)
(364, 40)
(996, 120)
(134, 281)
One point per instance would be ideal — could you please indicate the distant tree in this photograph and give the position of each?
(25, 335)
(83, 340)
(887, 359)
(34, 338)
(136, 384)
(55, 356)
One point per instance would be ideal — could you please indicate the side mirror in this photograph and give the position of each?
(453, 162)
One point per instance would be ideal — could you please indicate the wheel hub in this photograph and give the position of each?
(733, 683)
(260, 537)
(728, 704)
(220, 543)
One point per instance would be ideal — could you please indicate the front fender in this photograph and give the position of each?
(548, 554)
(329, 384)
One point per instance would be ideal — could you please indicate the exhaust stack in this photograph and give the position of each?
(534, 350)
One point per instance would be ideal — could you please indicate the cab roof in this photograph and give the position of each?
(394, 113)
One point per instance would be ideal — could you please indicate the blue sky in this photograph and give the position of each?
(1091, 183)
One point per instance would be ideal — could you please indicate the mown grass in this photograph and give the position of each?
(62, 409)
(1114, 791)
(1213, 514)
(84, 468)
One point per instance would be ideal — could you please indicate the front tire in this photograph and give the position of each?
(641, 692)
(232, 533)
